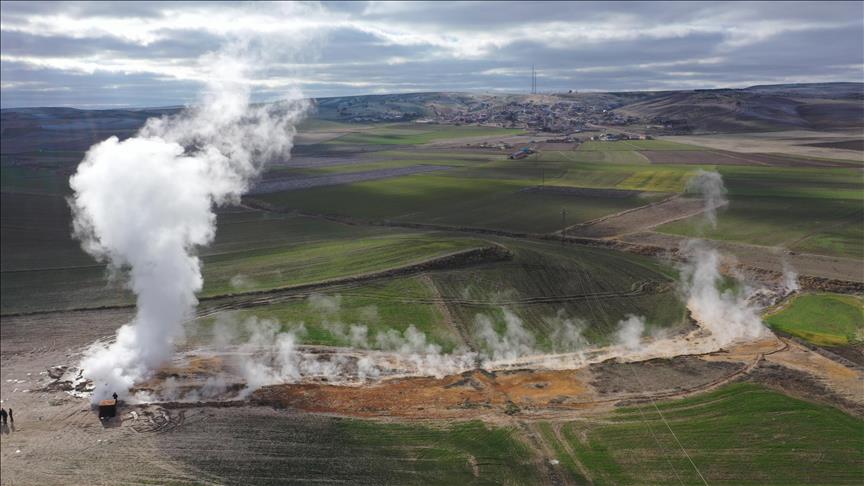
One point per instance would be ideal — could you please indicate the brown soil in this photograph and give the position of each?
(471, 394)
(551, 394)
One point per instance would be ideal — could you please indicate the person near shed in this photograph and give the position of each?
(114, 395)
(3, 416)
(11, 420)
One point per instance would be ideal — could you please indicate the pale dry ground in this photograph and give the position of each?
(785, 142)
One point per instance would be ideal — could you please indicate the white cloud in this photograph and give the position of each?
(385, 45)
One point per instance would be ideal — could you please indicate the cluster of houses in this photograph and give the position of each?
(560, 116)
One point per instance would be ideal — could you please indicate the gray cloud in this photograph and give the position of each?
(145, 53)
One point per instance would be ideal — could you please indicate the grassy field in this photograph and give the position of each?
(295, 448)
(614, 169)
(809, 210)
(824, 226)
(419, 134)
(392, 304)
(450, 200)
(824, 319)
(740, 434)
(315, 262)
(43, 268)
(33, 180)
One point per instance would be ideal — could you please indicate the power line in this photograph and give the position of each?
(635, 375)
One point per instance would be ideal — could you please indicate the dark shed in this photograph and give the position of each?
(107, 408)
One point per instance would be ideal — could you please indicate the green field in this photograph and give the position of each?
(613, 169)
(330, 450)
(43, 268)
(406, 134)
(316, 262)
(825, 319)
(381, 305)
(451, 200)
(740, 434)
(824, 226)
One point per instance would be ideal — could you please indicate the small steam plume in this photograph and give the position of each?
(710, 186)
(790, 278)
(630, 332)
(146, 204)
(516, 341)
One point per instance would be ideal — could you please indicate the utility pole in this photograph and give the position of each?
(533, 81)
(563, 224)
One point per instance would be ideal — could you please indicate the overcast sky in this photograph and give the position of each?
(105, 54)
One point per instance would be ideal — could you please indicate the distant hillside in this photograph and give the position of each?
(814, 107)
(817, 106)
(820, 106)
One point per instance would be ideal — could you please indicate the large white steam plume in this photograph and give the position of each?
(146, 204)
(725, 313)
